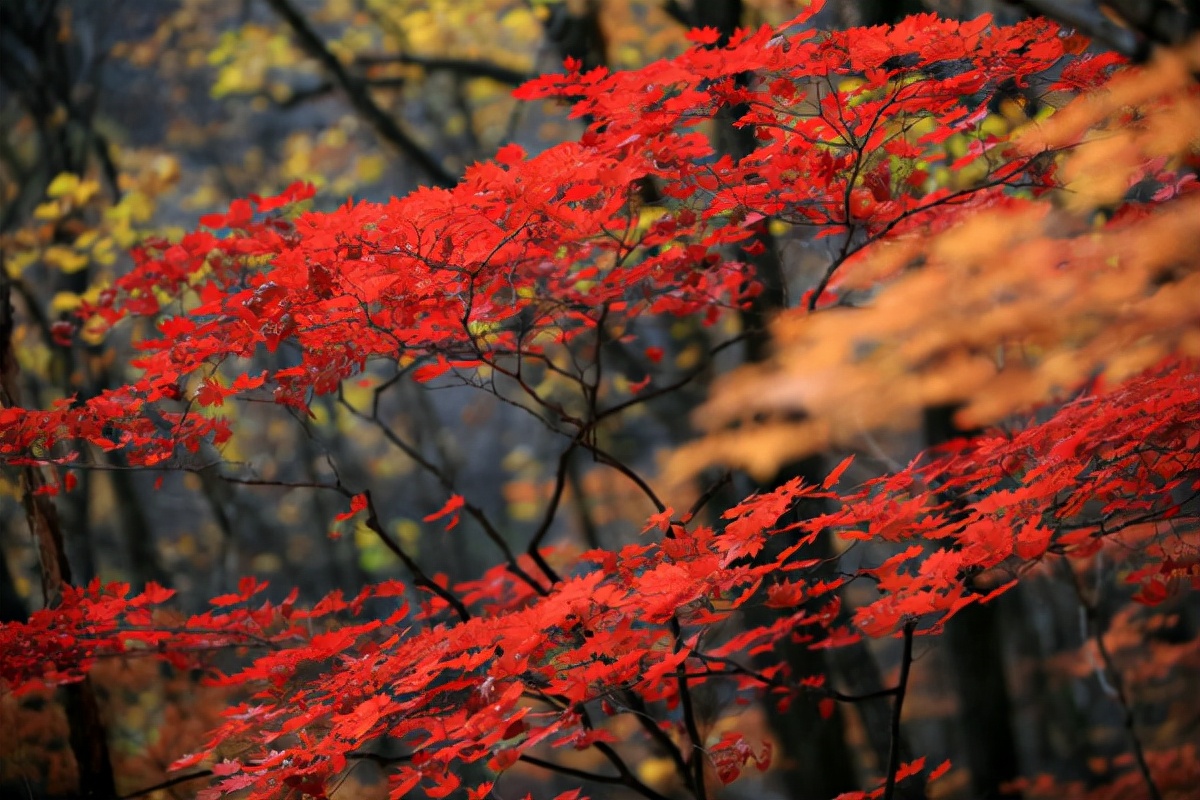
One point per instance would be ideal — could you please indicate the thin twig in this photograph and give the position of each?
(418, 574)
(1114, 685)
(777, 682)
(689, 721)
(1135, 741)
(167, 784)
(603, 457)
(631, 780)
(471, 509)
(560, 481)
(636, 704)
(582, 775)
(709, 494)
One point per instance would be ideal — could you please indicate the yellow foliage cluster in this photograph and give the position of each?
(78, 232)
(78, 226)
(245, 56)
(1012, 308)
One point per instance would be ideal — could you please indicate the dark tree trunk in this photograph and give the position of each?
(89, 738)
(12, 606)
(974, 641)
(819, 763)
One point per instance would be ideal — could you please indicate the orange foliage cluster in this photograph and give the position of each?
(33, 737)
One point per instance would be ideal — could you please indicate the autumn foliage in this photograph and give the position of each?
(1043, 282)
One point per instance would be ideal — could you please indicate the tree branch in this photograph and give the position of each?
(889, 788)
(167, 784)
(630, 779)
(725, 480)
(418, 574)
(1113, 678)
(560, 481)
(323, 88)
(690, 723)
(475, 512)
(463, 67)
(582, 775)
(359, 95)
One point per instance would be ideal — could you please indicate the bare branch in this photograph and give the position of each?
(889, 788)
(418, 574)
(1114, 685)
(167, 784)
(464, 67)
(358, 93)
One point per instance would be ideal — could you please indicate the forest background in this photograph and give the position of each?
(131, 120)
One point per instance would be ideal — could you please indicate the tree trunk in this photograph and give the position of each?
(89, 739)
(976, 655)
(818, 761)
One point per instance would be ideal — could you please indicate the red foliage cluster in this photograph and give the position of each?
(526, 252)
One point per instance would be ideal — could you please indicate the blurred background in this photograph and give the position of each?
(131, 118)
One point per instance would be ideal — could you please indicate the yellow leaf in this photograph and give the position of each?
(65, 301)
(63, 184)
(409, 533)
(93, 335)
(65, 259)
(165, 168)
(689, 358)
(373, 556)
(103, 252)
(87, 239)
(334, 137)
(656, 772)
(266, 562)
(47, 211)
(320, 416)
(137, 207)
(10, 489)
(455, 125)
(84, 192)
(206, 195)
(123, 233)
(357, 395)
(186, 545)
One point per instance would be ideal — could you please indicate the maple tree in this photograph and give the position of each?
(951, 240)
